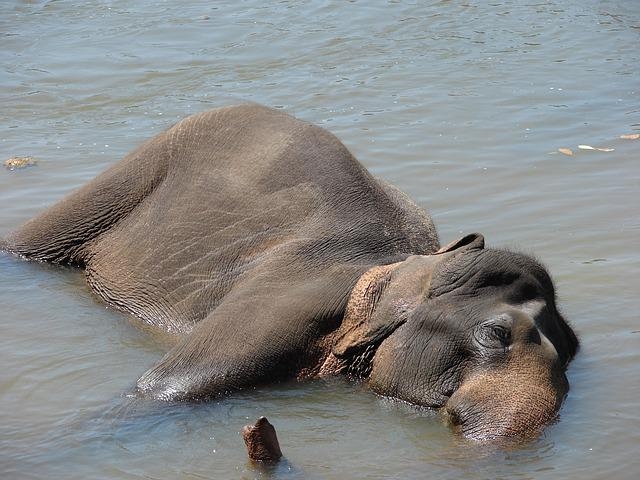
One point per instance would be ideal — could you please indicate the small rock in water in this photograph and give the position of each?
(19, 162)
(262, 442)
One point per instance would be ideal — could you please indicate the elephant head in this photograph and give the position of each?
(470, 330)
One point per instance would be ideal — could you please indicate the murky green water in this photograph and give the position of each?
(463, 105)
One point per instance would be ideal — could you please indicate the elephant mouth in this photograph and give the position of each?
(466, 424)
(452, 418)
(436, 401)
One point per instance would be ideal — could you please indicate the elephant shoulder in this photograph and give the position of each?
(413, 220)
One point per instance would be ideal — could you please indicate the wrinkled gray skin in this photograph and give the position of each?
(264, 243)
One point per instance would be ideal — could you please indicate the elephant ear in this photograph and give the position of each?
(385, 295)
(358, 327)
(380, 302)
(472, 241)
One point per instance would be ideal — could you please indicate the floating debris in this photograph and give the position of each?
(599, 149)
(632, 136)
(566, 151)
(15, 163)
(595, 260)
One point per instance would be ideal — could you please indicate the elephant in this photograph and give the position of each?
(272, 253)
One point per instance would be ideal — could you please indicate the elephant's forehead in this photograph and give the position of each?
(533, 308)
(494, 272)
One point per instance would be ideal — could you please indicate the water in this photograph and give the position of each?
(462, 105)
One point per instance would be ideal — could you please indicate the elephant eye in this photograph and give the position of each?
(495, 333)
(501, 333)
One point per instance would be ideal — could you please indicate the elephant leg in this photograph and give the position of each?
(260, 335)
(60, 233)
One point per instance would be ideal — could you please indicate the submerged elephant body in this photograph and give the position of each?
(264, 242)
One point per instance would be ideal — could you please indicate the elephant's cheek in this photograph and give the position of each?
(396, 372)
(492, 406)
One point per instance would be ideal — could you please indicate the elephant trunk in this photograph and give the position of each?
(507, 402)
